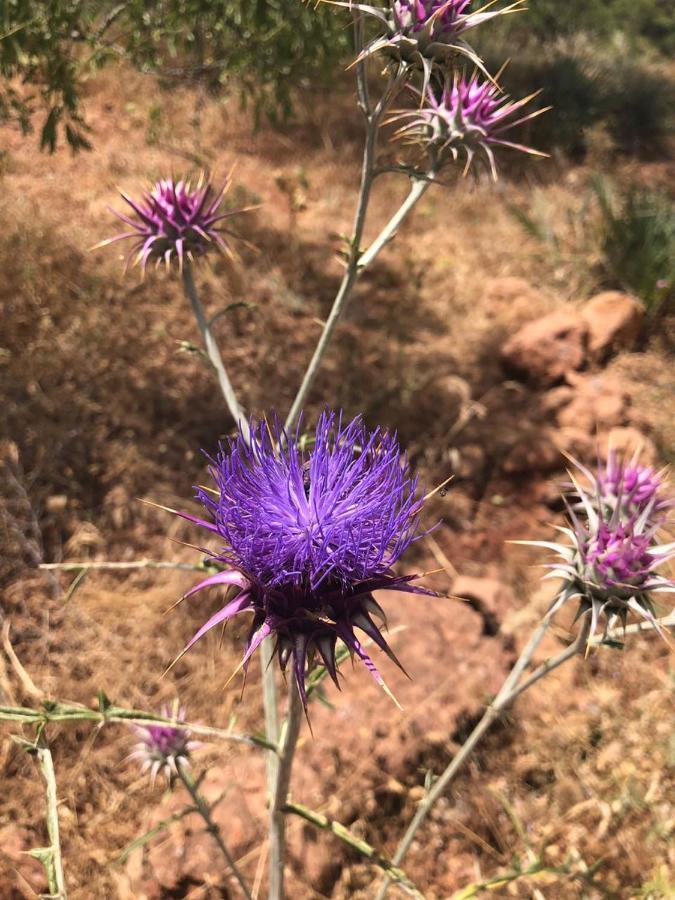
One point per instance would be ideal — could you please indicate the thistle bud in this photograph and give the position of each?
(466, 116)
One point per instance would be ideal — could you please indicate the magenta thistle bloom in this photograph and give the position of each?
(610, 560)
(162, 747)
(630, 484)
(469, 116)
(308, 535)
(423, 32)
(626, 484)
(174, 222)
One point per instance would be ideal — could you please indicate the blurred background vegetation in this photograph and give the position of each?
(601, 63)
(604, 65)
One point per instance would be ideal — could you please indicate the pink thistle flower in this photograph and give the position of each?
(468, 115)
(424, 32)
(174, 222)
(164, 747)
(610, 560)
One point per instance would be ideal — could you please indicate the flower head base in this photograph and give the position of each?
(308, 535)
(610, 561)
(175, 222)
(163, 748)
(468, 115)
(424, 32)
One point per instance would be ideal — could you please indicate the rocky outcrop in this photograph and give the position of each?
(614, 323)
(546, 350)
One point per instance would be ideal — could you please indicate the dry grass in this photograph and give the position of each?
(100, 408)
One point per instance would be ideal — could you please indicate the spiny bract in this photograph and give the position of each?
(163, 747)
(174, 222)
(613, 550)
(308, 535)
(466, 115)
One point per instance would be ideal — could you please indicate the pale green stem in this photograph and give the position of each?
(269, 688)
(61, 712)
(204, 811)
(289, 740)
(510, 690)
(213, 352)
(54, 864)
(356, 261)
(119, 566)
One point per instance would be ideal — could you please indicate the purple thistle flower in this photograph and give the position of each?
(468, 114)
(308, 535)
(631, 484)
(610, 561)
(162, 747)
(424, 32)
(175, 222)
(626, 484)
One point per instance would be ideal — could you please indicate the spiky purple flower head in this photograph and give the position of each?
(307, 535)
(467, 115)
(613, 551)
(631, 484)
(164, 747)
(175, 222)
(424, 32)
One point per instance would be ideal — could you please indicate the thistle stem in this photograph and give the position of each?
(53, 862)
(269, 689)
(289, 740)
(63, 712)
(105, 565)
(204, 811)
(212, 351)
(512, 688)
(356, 260)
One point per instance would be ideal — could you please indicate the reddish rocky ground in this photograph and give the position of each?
(485, 354)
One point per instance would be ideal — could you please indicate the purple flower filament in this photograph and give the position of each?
(308, 535)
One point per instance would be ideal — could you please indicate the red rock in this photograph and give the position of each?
(614, 322)
(545, 350)
(599, 401)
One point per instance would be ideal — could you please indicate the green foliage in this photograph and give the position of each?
(638, 243)
(632, 102)
(262, 49)
(644, 22)
(37, 60)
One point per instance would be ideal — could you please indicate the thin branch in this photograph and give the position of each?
(202, 807)
(64, 712)
(289, 740)
(271, 711)
(355, 261)
(510, 690)
(396, 875)
(106, 565)
(417, 190)
(50, 856)
(361, 66)
(212, 351)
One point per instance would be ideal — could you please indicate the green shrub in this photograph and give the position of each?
(633, 100)
(638, 243)
(261, 49)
